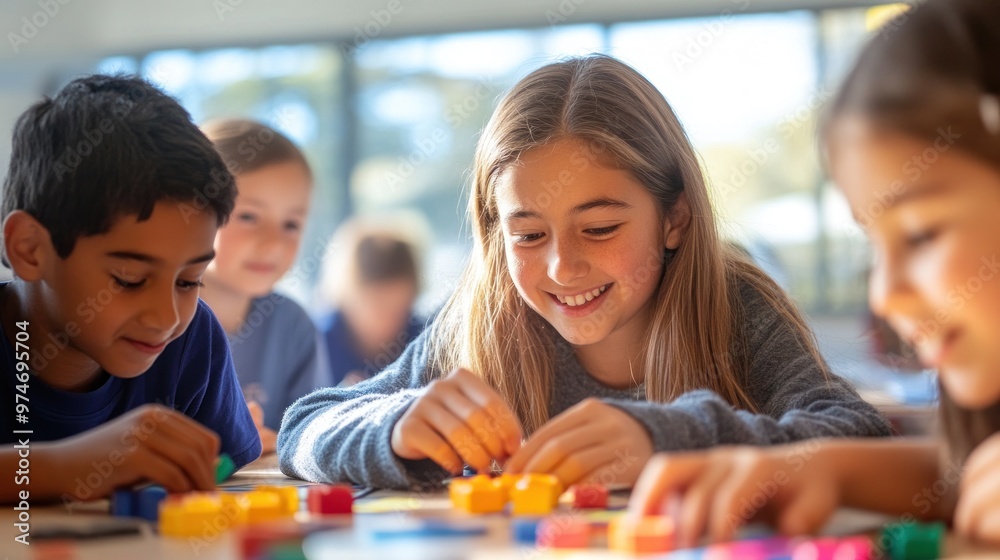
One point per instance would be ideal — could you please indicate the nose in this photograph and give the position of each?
(567, 262)
(271, 241)
(889, 291)
(160, 311)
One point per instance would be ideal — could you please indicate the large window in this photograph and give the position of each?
(391, 126)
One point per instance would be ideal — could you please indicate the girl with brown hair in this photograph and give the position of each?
(913, 140)
(599, 314)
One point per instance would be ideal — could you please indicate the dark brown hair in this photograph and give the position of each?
(934, 67)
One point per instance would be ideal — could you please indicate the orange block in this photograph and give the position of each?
(505, 482)
(190, 515)
(476, 494)
(535, 494)
(289, 496)
(641, 535)
(264, 505)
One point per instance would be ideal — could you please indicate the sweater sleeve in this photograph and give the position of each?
(344, 434)
(797, 395)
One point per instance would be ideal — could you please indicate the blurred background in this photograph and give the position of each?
(387, 98)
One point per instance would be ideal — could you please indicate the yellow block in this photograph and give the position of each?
(477, 494)
(535, 494)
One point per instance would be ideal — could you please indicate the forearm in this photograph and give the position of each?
(33, 475)
(897, 477)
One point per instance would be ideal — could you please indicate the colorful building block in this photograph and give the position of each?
(751, 549)
(535, 494)
(641, 535)
(852, 548)
(477, 494)
(590, 496)
(563, 531)
(189, 515)
(224, 468)
(913, 541)
(289, 496)
(260, 540)
(143, 503)
(336, 499)
(505, 482)
(264, 505)
(525, 530)
(426, 529)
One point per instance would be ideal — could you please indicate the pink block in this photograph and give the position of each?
(563, 532)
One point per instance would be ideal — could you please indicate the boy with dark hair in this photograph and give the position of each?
(114, 372)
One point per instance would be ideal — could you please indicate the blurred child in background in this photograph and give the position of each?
(278, 353)
(372, 282)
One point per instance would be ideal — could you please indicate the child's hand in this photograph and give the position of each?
(977, 514)
(150, 443)
(459, 419)
(590, 441)
(268, 437)
(714, 493)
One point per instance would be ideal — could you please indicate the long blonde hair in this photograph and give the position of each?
(695, 338)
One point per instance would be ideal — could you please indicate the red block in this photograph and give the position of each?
(590, 496)
(330, 500)
(563, 531)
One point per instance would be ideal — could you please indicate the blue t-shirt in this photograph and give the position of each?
(345, 358)
(279, 355)
(194, 375)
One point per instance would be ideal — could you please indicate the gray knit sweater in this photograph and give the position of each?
(343, 434)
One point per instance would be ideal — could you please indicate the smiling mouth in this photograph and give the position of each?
(582, 298)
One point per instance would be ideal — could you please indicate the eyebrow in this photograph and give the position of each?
(603, 202)
(142, 257)
(301, 210)
(909, 195)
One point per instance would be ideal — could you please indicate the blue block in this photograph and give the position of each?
(428, 529)
(122, 503)
(525, 530)
(147, 503)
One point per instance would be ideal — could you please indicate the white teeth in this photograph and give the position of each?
(581, 299)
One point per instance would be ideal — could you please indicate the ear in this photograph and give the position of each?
(27, 245)
(675, 225)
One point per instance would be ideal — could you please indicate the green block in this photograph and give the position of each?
(914, 541)
(224, 469)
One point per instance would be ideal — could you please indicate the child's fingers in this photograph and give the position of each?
(188, 448)
(502, 419)
(474, 418)
(152, 466)
(565, 448)
(430, 444)
(564, 422)
(457, 434)
(696, 512)
(987, 527)
(981, 464)
(191, 432)
(807, 509)
(664, 475)
(976, 502)
(256, 413)
(581, 465)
